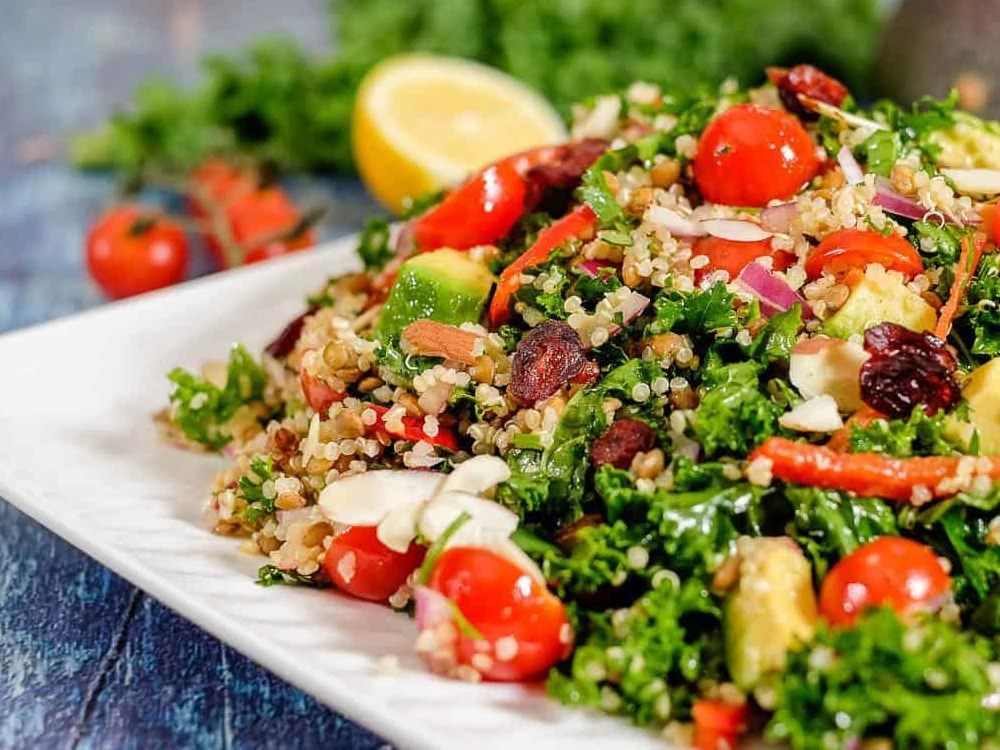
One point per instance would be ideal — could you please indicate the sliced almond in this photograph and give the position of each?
(366, 499)
(477, 475)
(433, 339)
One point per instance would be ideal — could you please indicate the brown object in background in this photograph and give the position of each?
(932, 46)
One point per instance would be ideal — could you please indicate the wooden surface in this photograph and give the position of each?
(86, 660)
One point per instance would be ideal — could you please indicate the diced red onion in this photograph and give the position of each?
(631, 309)
(850, 167)
(432, 608)
(589, 268)
(673, 222)
(735, 230)
(778, 219)
(774, 294)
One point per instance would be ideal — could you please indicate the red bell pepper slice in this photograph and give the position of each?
(413, 430)
(717, 723)
(866, 474)
(577, 224)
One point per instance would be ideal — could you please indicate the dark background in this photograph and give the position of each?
(86, 660)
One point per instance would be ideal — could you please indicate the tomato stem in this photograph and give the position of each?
(435, 550)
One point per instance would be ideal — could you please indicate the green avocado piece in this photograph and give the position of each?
(444, 285)
(770, 610)
(880, 297)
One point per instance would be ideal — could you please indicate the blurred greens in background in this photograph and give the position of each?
(275, 105)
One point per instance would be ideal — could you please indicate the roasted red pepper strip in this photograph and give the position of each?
(413, 429)
(577, 224)
(717, 723)
(867, 474)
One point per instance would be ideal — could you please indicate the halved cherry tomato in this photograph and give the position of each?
(131, 250)
(318, 394)
(731, 256)
(480, 212)
(577, 224)
(890, 571)
(750, 155)
(717, 724)
(360, 565)
(523, 625)
(849, 249)
(413, 429)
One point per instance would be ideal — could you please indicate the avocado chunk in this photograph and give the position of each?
(444, 285)
(880, 297)
(981, 391)
(771, 610)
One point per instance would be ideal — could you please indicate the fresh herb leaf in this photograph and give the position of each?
(272, 575)
(374, 247)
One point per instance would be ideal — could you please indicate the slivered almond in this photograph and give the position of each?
(433, 339)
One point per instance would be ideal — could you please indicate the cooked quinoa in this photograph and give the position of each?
(701, 408)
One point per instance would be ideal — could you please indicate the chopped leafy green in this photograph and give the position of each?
(202, 410)
(374, 247)
(272, 575)
(734, 415)
(920, 687)
(881, 151)
(917, 435)
(983, 313)
(697, 314)
(776, 340)
(260, 500)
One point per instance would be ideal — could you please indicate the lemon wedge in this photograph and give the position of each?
(423, 123)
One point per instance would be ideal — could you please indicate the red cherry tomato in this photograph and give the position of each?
(891, 571)
(717, 724)
(413, 429)
(360, 565)
(480, 212)
(849, 249)
(750, 155)
(318, 394)
(257, 214)
(731, 256)
(506, 606)
(129, 251)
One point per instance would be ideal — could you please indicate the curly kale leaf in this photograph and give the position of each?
(920, 686)
(983, 313)
(918, 435)
(775, 341)
(698, 314)
(734, 415)
(202, 410)
(259, 499)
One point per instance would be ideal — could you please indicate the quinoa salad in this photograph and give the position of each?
(695, 417)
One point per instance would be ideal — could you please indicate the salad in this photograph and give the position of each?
(696, 417)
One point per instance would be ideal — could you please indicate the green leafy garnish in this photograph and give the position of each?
(374, 247)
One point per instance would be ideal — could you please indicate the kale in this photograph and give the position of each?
(647, 661)
(915, 126)
(917, 435)
(202, 410)
(776, 340)
(599, 559)
(983, 313)
(940, 244)
(829, 524)
(734, 415)
(593, 290)
(594, 190)
(881, 151)
(272, 575)
(374, 246)
(920, 686)
(698, 314)
(259, 500)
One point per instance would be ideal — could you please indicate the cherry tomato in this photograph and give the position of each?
(360, 565)
(129, 251)
(732, 256)
(717, 724)
(257, 214)
(318, 394)
(892, 571)
(480, 212)
(848, 249)
(750, 155)
(507, 606)
(413, 429)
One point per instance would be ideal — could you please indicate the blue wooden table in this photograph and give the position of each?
(86, 660)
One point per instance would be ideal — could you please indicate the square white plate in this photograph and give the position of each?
(78, 452)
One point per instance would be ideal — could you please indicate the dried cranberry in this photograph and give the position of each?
(285, 341)
(590, 372)
(809, 81)
(546, 359)
(907, 369)
(565, 168)
(620, 442)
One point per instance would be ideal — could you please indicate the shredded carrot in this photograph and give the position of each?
(964, 271)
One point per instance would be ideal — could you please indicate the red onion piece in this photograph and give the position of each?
(589, 268)
(432, 608)
(735, 230)
(896, 204)
(631, 309)
(679, 226)
(772, 291)
(850, 167)
(778, 219)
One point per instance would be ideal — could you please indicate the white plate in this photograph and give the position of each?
(78, 452)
